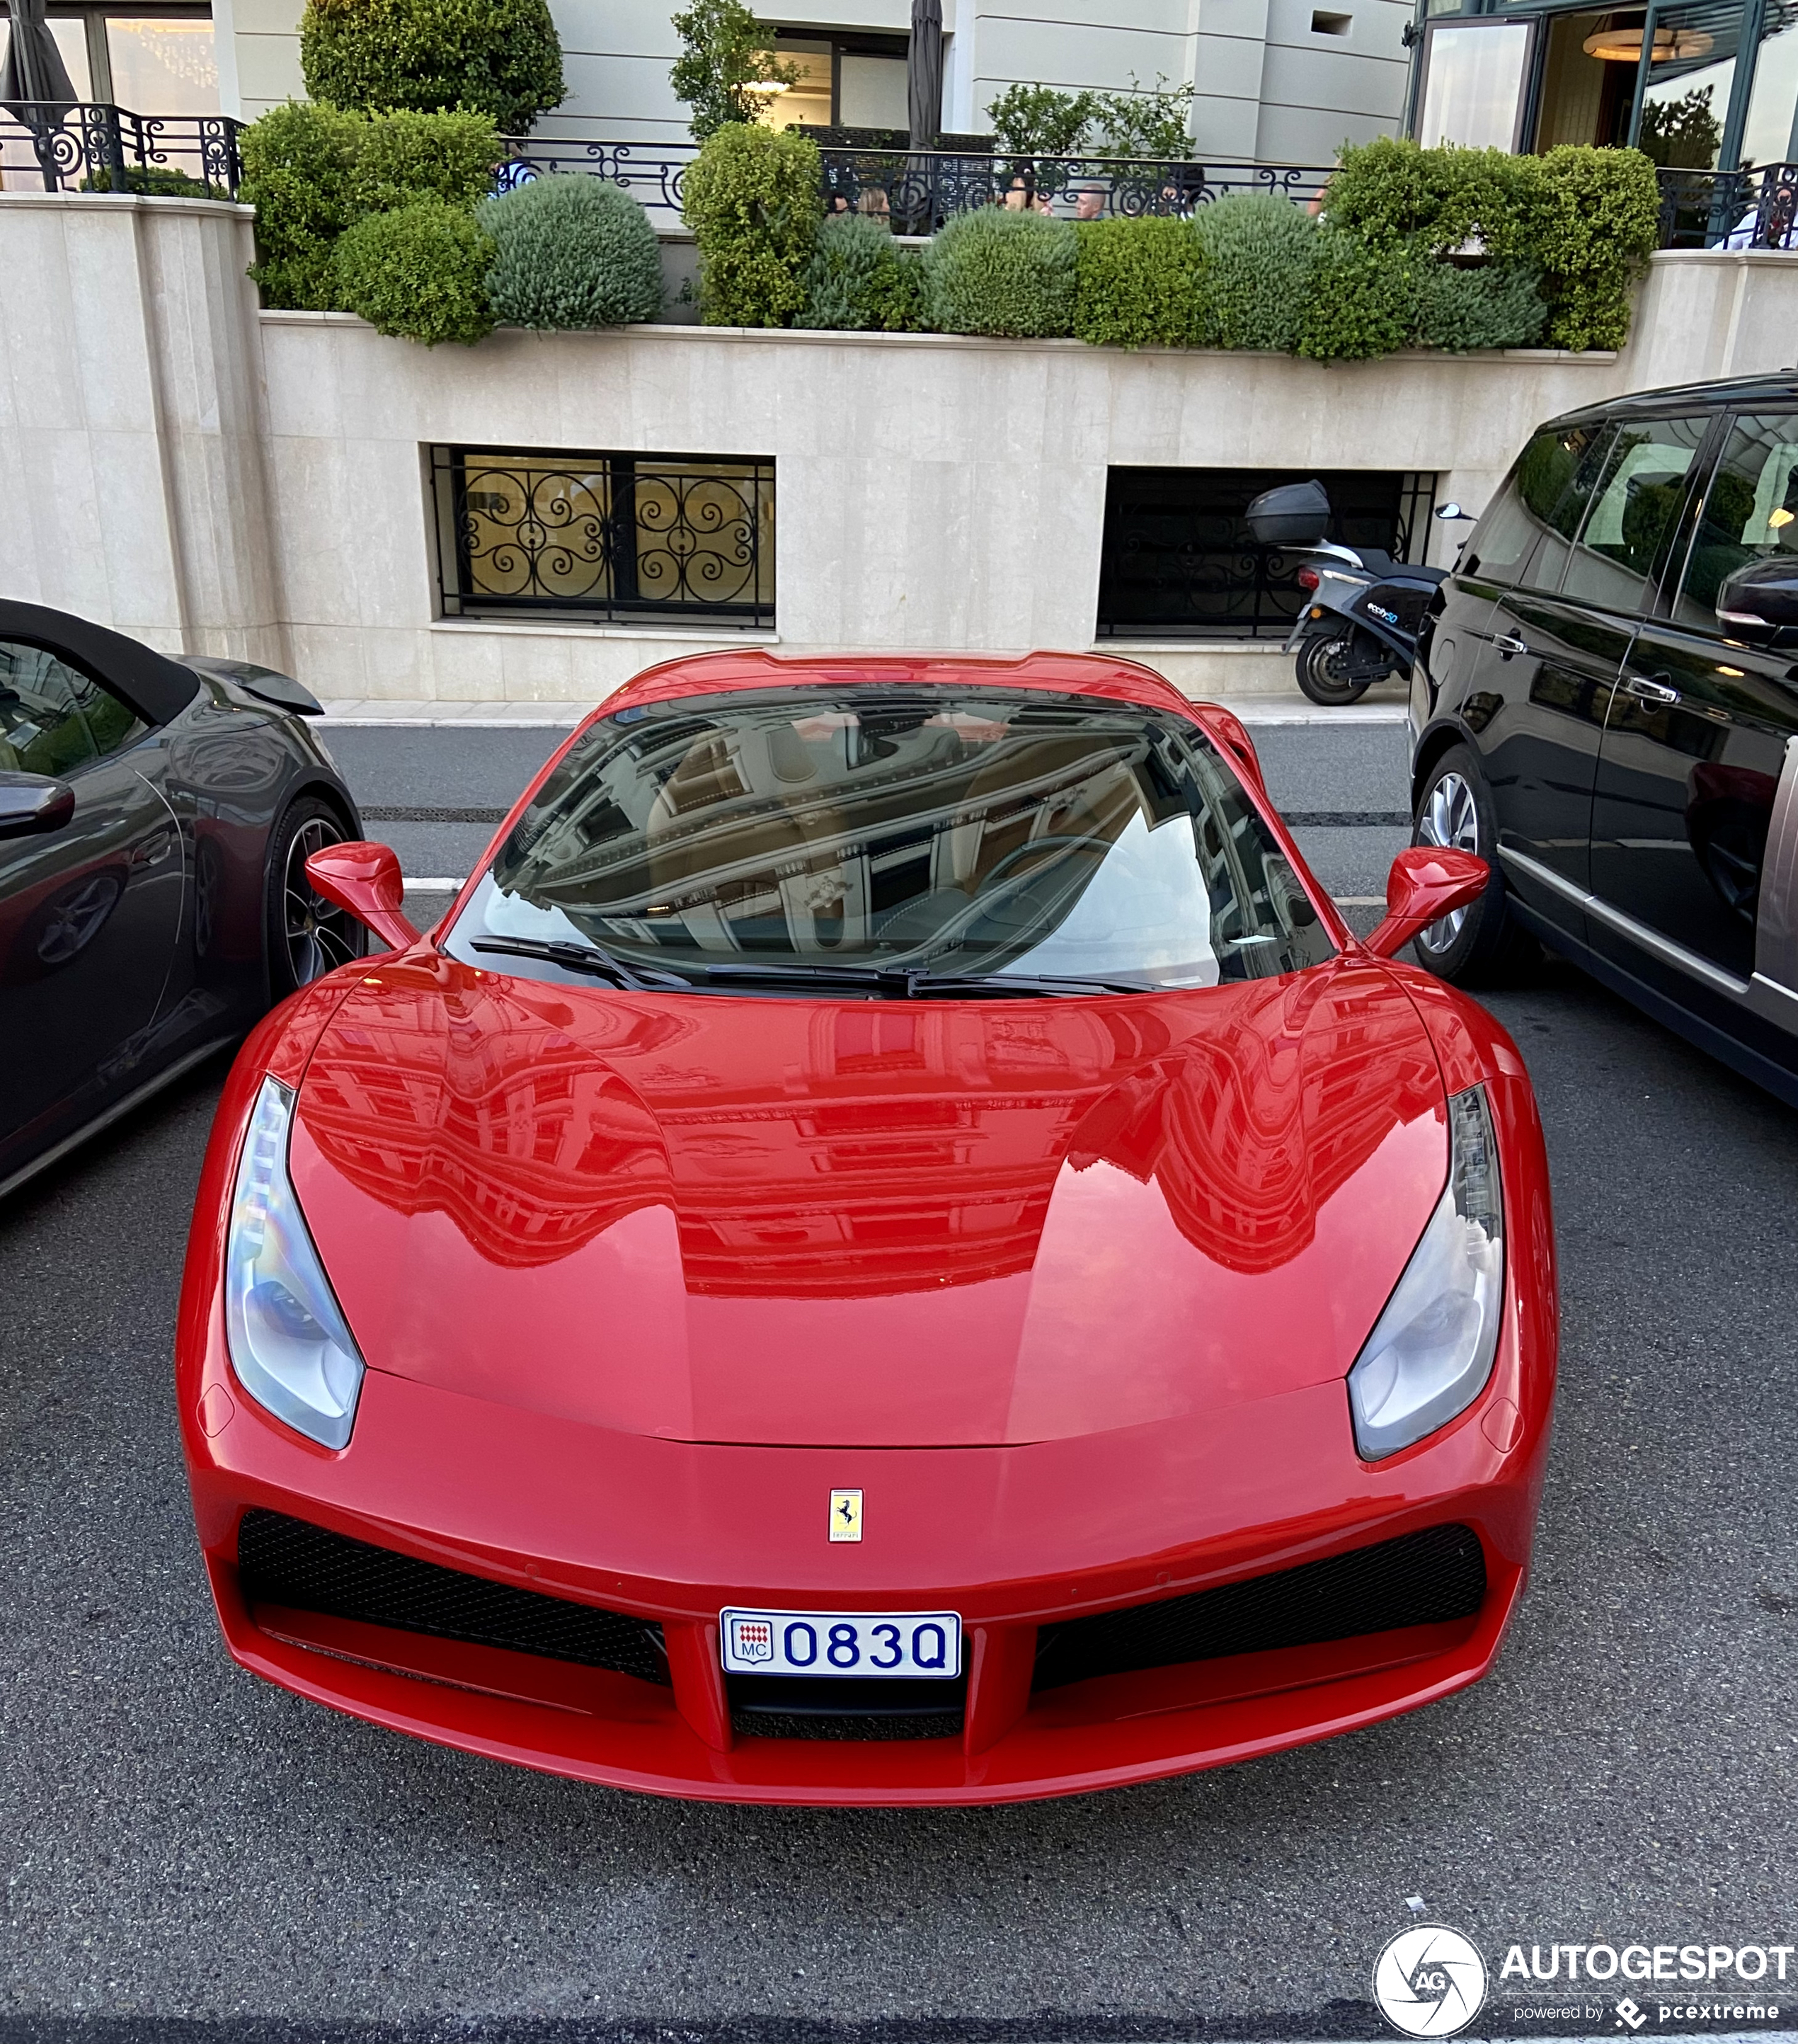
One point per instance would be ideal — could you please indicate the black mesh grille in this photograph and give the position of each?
(285, 1560)
(1420, 1578)
(841, 1707)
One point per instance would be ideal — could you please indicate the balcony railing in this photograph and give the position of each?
(90, 147)
(916, 191)
(1754, 209)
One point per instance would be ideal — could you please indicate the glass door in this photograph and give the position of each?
(1475, 79)
(1686, 115)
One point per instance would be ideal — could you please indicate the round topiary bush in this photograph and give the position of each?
(1000, 272)
(420, 271)
(299, 161)
(859, 278)
(1259, 252)
(573, 252)
(499, 57)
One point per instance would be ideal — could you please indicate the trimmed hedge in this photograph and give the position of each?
(753, 199)
(1499, 306)
(999, 272)
(1259, 253)
(299, 161)
(1362, 299)
(857, 277)
(404, 156)
(1587, 218)
(1140, 283)
(420, 272)
(571, 252)
(498, 57)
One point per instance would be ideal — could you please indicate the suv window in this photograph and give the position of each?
(1635, 498)
(1506, 541)
(53, 719)
(1750, 512)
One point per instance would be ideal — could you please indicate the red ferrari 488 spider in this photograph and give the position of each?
(892, 1248)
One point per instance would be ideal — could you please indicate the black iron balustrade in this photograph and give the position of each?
(1748, 209)
(914, 191)
(93, 146)
(617, 538)
(654, 173)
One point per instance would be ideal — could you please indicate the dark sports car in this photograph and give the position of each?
(156, 815)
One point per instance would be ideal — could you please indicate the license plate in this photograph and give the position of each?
(911, 1643)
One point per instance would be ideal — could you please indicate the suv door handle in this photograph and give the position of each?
(1510, 644)
(1647, 688)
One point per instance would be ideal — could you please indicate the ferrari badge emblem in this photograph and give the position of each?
(752, 1638)
(846, 1515)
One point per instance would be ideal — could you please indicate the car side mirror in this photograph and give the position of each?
(1427, 881)
(1760, 599)
(1451, 511)
(364, 879)
(33, 803)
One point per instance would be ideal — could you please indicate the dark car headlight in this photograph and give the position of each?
(1431, 1351)
(290, 1347)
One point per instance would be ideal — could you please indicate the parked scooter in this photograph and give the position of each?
(1366, 610)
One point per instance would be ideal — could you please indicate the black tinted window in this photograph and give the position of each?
(1750, 512)
(53, 719)
(1539, 501)
(1630, 500)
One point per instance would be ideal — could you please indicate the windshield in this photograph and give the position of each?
(945, 834)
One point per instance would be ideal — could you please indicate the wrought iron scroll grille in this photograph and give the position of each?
(1178, 561)
(609, 538)
(93, 146)
(1756, 207)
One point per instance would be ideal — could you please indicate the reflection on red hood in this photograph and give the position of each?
(944, 1224)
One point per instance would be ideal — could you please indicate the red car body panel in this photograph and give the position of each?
(1069, 1289)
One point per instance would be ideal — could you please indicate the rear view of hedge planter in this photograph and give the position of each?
(999, 272)
(573, 251)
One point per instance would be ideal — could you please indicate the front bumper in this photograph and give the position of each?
(1014, 1538)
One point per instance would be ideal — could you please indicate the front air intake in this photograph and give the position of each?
(1423, 1578)
(283, 1561)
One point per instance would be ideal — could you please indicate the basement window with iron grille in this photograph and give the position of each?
(1179, 560)
(604, 539)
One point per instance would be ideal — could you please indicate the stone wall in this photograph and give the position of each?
(197, 472)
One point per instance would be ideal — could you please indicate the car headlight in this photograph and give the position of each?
(289, 1345)
(1431, 1350)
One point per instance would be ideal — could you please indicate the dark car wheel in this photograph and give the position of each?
(306, 937)
(1320, 668)
(1486, 943)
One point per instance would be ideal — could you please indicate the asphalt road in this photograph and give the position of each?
(181, 1840)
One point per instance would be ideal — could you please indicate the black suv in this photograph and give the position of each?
(1606, 707)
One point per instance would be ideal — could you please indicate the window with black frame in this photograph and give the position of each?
(1179, 560)
(604, 538)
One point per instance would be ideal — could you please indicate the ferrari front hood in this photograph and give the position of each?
(867, 1224)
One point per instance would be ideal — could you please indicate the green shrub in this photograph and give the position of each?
(406, 155)
(1599, 220)
(420, 271)
(1037, 121)
(299, 161)
(499, 57)
(152, 181)
(1000, 272)
(725, 51)
(1499, 304)
(1363, 297)
(572, 252)
(858, 278)
(1139, 283)
(1257, 252)
(753, 200)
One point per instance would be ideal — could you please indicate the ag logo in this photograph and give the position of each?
(1429, 1982)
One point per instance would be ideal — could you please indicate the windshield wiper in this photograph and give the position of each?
(909, 982)
(585, 958)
